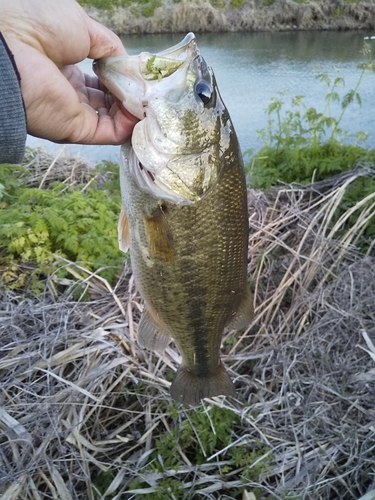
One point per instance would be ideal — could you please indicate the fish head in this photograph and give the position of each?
(184, 128)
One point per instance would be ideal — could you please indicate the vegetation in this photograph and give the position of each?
(304, 145)
(91, 408)
(41, 225)
(197, 438)
(139, 7)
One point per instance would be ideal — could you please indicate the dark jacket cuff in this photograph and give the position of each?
(13, 131)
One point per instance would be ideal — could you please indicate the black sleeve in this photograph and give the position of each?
(13, 130)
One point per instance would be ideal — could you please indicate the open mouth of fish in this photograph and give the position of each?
(139, 82)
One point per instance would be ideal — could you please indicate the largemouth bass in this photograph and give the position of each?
(184, 213)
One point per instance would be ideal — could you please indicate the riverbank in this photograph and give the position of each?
(86, 412)
(173, 16)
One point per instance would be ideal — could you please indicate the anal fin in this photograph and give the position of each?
(244, 313)
(151, 334)
(123, 231)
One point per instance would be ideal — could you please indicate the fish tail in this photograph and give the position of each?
(189, 388)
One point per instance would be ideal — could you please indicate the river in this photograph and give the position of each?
(251, 68)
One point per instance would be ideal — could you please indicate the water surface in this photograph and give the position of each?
(251, 68)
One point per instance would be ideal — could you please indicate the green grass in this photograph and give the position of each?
(147, 7)
(302, 144)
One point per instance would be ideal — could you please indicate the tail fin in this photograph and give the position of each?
(189, 389)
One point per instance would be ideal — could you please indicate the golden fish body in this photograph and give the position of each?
(184, 213)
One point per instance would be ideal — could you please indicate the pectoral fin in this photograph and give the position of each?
(160, 235)
(123, 232)
(244, 313)
(151, 333)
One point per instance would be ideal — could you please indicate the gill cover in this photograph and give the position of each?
(181, 130)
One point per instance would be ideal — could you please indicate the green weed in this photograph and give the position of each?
(197, 437)
(37, 226)
(149, 9)
(102, 4)
(304, 144)
(235, 4)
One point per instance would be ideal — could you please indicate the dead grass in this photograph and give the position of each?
(78, 397)
(175, 16)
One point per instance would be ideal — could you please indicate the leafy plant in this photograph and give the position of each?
(303, 144)
(37, 226)
(197, 437)
(149, 8)
(308, 139)
(235, 4)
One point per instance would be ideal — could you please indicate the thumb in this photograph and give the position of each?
(103, 42)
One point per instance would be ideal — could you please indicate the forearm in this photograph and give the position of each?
(12, 112)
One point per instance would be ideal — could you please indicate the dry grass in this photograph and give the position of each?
(215, 16)
(79, 397)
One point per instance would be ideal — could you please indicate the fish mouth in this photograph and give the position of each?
(166, 62)
(123, 74)
(136, 79)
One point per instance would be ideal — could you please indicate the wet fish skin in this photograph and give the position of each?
(189, 257)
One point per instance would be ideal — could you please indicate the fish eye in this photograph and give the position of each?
(204, 92)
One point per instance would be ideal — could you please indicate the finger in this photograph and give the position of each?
(102, 128)
(103, 42)
(117, 107)
(98, 99)
(94, 82)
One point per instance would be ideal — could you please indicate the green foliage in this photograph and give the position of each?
(39, 225)
(200, 435)
(149, 8)
(268, 2)
(306, 144)
(303, 144)
(103, 481)
(338, 12)
(102, 4)
(235, 4)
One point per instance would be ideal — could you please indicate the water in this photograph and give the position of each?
(251, 68)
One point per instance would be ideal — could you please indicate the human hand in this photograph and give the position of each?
(47, 39)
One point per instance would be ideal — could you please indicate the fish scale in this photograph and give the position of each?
(188, 245)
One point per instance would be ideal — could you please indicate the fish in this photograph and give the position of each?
(184, 211)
